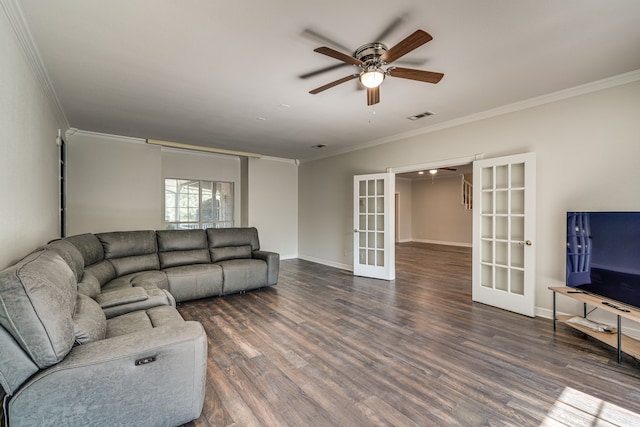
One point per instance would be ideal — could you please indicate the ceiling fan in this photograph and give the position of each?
(370, 60)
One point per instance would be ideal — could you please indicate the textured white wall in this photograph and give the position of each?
(113, 184)
(405, 210)
(29, 123)
(273, 204)
(438, 214)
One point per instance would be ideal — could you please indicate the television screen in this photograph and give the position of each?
(603, 254)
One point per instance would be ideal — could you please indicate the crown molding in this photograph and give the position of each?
(191, 147)
(119, 138)
(560, 95)
(23, 35)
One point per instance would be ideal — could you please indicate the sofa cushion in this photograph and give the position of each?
(188, 282)
(230, 252)
(155, 298)
(130, 251)
(71, 254)
(177, 258)
(16, 366)
(89, 285)
(153, 279)
(89, 321)
(182, 247)
(181, 240)
(238, 236)
(243, 274)
(89, 246)
(37, 304)
(133, 264)
(103, 271)
(141, 320)
(118, 244)
(121, 296)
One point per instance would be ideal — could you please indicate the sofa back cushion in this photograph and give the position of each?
(130, 251)
(232, 243)
(230, 252)
(37, 304)
(71, 254)
(89, 246)
(182, 247)
(101, 272)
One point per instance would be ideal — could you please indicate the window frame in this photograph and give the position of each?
(201, 222)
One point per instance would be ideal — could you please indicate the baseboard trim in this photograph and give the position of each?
(442, 242)
(326, 262)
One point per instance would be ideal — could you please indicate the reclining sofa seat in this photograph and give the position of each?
(63, 363)
(184, 258)
(121, 271)
(244, 265)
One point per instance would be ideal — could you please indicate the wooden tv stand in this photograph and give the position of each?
(615, 339)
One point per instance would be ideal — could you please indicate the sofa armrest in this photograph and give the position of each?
(151, 377)
(121, 296)
(273, 264)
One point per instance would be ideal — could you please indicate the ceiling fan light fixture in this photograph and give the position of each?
(433, 171)
(372, 77)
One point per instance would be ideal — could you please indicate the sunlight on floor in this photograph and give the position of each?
(575, 408)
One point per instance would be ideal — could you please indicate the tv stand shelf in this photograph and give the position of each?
(616, 339)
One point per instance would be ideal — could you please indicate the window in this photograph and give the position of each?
(190, 204)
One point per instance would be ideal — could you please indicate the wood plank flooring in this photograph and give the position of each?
(325, 348)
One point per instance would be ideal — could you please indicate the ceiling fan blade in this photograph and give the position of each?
(334, 83)
(391, 27)
(373, 95)
(419, 75)
(448, 169)
(317, 37)
(411, 42)
(322, 70)
(338, 55)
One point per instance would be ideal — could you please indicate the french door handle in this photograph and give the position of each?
(355, 230)
(526, 242)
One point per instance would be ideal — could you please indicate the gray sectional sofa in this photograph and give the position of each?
(89, 331)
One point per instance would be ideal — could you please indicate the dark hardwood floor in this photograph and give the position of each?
(325, 348)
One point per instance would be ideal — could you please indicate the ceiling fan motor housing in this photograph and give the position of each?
(370, 54)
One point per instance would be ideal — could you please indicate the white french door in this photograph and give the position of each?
(373, 226)
(504, 199)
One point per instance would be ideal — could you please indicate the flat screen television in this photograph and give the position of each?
(603, 254)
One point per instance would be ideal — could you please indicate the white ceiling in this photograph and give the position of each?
(225, 74)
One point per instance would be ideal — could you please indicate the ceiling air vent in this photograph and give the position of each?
(421, 115)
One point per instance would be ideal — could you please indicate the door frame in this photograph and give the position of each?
(426, 166)
(435, 164)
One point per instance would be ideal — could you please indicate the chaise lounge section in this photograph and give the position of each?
(90, 333)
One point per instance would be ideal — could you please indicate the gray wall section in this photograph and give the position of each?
(113, 184)
(29, 123)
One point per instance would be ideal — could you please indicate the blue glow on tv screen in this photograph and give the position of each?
(603, 254)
